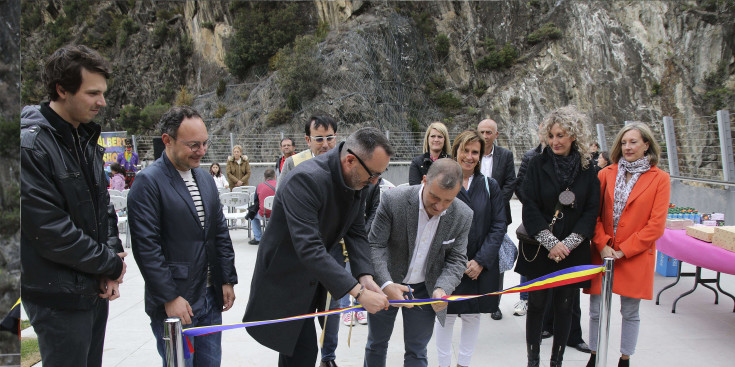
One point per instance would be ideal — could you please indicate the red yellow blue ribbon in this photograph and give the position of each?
(566, 276)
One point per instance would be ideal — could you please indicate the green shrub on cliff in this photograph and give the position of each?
(260, 31)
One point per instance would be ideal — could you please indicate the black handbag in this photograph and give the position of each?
(566, 198)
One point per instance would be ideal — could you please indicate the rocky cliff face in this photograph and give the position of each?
(9, 171)
(383, 63)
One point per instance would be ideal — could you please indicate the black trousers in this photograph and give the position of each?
(69, 338)
(305, 352)
(562, 299)
(575, 333)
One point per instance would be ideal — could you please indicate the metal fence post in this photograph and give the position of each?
(671, 153)
(601, 137)
(135, 143)
(603, 331)
(174, 342)
(387, 134)
(728, 162)
(232, 141)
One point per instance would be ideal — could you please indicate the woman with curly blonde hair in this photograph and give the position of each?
(561, 202)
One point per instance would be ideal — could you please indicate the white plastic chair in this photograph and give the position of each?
(267, 205)
(115, 192)
(250, 190)
(125, 193)
(121, 209)
(234, 202)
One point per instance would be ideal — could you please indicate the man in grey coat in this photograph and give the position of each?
(419, 243)
(320, 202)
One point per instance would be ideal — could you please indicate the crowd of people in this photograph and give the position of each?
(332, 239)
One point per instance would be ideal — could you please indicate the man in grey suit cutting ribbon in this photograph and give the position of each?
(419, 242)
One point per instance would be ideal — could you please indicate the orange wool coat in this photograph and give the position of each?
(642, 222)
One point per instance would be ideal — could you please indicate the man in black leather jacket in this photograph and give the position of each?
(71, 255)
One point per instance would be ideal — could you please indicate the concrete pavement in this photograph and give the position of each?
(700, 333)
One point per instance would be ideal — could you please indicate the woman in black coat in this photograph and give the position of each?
(436, 145)
(484, 197)
(563, 165)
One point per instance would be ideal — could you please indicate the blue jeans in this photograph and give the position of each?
(69, 338)
(418, 326)
(524, 295)
(257, 229)
(207, 348)
(331, 331)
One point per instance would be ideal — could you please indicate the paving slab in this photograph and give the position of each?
(700, 333)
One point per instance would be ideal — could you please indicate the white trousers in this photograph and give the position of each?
(467, 340)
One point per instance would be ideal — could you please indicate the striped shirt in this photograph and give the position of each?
(194, 191)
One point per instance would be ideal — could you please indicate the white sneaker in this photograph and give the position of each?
(347, 319)
(362, 317)
(520, 308)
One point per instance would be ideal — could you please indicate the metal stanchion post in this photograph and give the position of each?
(603, 331)
(174, 342)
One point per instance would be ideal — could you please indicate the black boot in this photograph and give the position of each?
(557, 355)
(533, 355)
(624, 362)
(592, 361)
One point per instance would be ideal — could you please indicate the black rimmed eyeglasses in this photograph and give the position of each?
(372, 175)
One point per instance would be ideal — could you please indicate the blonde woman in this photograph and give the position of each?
(436, 145)
(634, 204)
(238, 168)
(561, 224)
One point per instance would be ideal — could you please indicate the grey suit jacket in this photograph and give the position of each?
(393, 240)
(504, 173)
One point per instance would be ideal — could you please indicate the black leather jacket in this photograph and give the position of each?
(69, 237)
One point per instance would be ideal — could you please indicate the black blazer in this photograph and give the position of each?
(312, 210)
(541, 189)
(420, 165)
(504, 173)
(170, 246)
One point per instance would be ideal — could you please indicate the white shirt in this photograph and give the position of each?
(424, 236)
(221, 181)
(486, 166)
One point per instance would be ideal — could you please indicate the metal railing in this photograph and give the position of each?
(692, 148)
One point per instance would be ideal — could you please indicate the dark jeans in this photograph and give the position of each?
(524, 295)
(418, 326)
(70, 338)
(562, 299)
(331, 332)
(207, 348)
(575, 333)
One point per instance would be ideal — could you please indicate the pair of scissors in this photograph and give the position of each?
(411, 297)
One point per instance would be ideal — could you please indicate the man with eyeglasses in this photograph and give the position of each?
(321, 136)
(319, 203)
(180, 238)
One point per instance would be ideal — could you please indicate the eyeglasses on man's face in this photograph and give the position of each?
(372, 175)
(195, 146)
(320, 139)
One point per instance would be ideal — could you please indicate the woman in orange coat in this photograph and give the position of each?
(633, 207)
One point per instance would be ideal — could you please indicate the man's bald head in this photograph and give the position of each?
(489, 131)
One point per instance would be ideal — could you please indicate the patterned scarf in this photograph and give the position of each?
(622, 189)
(566, 167)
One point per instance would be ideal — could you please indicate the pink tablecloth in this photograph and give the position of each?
(678, 245)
